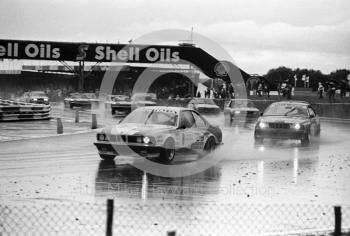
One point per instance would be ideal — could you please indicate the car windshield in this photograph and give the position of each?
(83, 96)
(144, 97)
(286, 110)
(203, 101)
(242, 103)
(38, 94)
(152, 117)
(119, 98)
(89, 95)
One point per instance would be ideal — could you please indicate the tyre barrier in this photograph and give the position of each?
(20, 111)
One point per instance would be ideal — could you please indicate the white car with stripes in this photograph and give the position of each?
(158, 131)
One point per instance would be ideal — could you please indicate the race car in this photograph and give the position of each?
(204, 106)
(158, 132)
(143, 99)
(118, 104)
(37, 97)
(241, 110)
(80, 100)
(288, 120)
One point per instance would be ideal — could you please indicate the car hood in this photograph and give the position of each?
(134, 129)
(38, 97)
(243, 109)
(120, 102)
(283, 119)
(206, 106)
(143, 102)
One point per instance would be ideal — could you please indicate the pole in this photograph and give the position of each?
(337, 226)
(109, 223)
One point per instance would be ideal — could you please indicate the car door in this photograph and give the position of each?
(200, 131)
(187, 129)
(314, 121)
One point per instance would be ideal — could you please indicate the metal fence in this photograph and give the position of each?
(172, 219)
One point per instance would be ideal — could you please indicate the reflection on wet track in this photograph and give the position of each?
(69, 168)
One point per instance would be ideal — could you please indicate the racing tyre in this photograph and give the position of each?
(258, 140)
(167, 153)
(305, 140)
(228, 120)
(209, 145)
(107, 157)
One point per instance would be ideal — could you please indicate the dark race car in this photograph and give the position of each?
(143, 99)
(80, 100)
(204, 106)
(158, 132)
(288, 120)
(241, 110)
(118, 104)
(37, 97)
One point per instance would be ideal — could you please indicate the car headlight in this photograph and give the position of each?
(297, 126)
(262, 125)
(237, 112)
(146, 140)
(34, 99)
(45, 99)
(101, 137)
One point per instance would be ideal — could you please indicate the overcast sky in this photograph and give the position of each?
(259, 34)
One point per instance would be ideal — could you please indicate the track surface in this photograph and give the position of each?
(68, 168)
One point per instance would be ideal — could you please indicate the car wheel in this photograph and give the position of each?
(228, 120)
(305, 140)
(314, 129)
(107, 157)
(167, 153)
(258, 140)
(318, 132)
(209, 145)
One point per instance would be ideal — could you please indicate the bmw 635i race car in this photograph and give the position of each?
(241, 110)
(288, 120)
(158, 132)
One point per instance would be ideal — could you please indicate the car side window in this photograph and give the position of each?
(311, 112)
(187, 119)
(200, 123)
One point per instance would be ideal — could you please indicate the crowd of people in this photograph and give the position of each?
(330, 88)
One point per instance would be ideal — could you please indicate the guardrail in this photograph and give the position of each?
(20, 111)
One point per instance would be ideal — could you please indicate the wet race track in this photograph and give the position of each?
(68, 167)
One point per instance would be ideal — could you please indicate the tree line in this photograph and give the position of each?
(284, 74)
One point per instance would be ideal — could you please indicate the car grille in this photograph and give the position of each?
(279, 125)
(124, 138)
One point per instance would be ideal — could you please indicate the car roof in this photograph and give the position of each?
(241, 99)
(165, 108)
(292, 102)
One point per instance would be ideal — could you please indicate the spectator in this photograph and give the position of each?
(342, 90)
(198, 94)
(320, 90)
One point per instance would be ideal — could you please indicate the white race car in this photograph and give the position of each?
(158, 131)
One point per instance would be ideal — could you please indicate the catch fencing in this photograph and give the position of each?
(17, 111)
(172, 219)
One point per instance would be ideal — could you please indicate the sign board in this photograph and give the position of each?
(96, 52)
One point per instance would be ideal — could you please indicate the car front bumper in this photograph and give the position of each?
(279, 133)
(136, 149)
